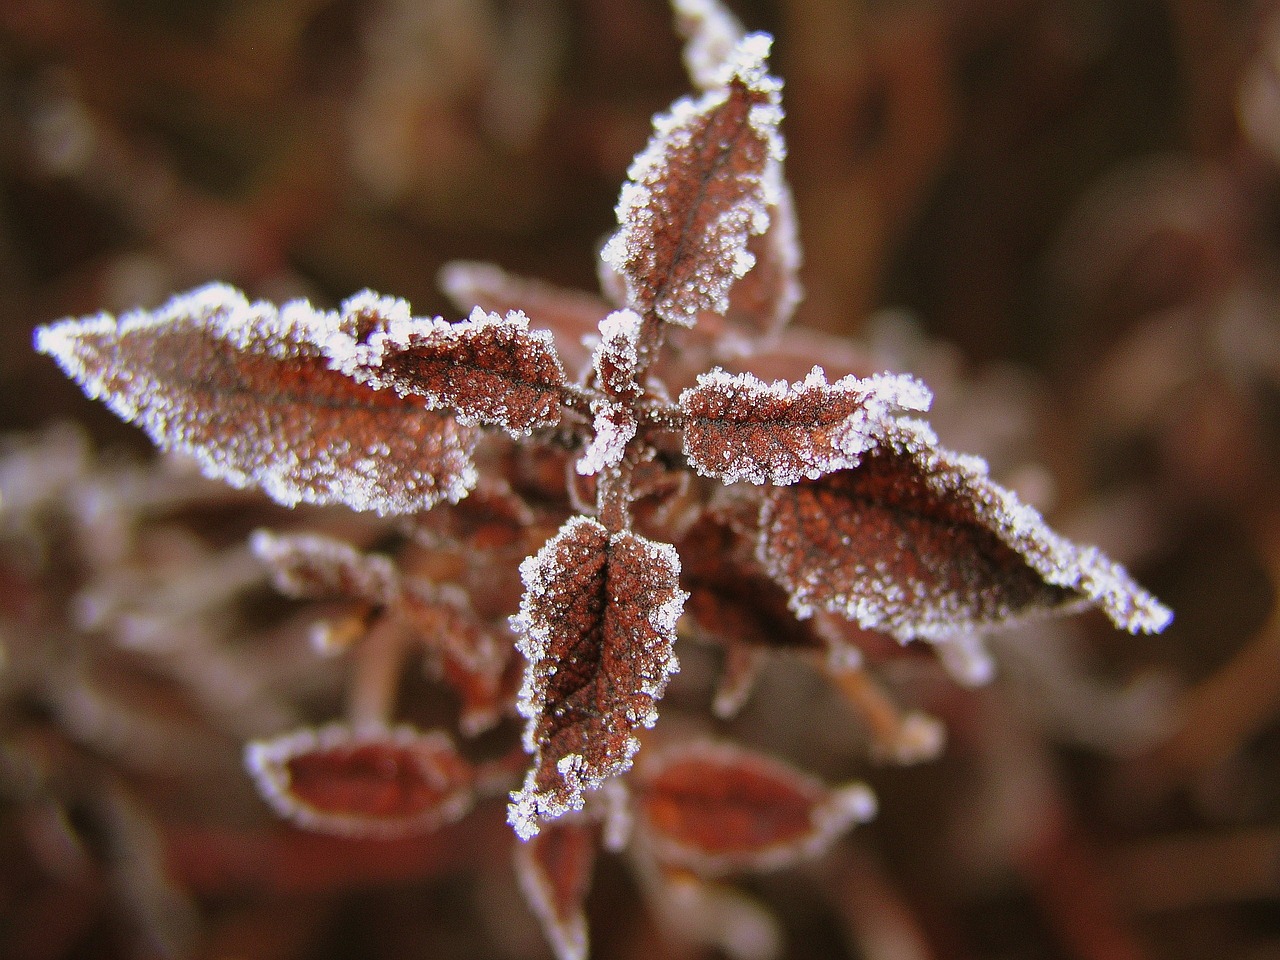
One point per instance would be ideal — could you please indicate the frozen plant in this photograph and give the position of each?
(817, 513)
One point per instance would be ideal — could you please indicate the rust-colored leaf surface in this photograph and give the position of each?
(554, 869)
(377, 782)
(731, 599)
(700, 189)
(918, 541)
(762, 302)
(247, 390)
(598, 623)
(464, 651)
(487, 369)
(715, 808)
(570, 315)
(738, 427)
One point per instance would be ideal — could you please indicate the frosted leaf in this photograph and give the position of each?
(696, 193)
(492, 517)
(738, 427)
(464, 650)
(377, 782)
(614, 426)
(762, 302)
(711, 34)
(616, 357)
(247, 390)
(731, 599)
(487, 369)
(919, 542)
(597, 624)
(310, 565)
(569, 314)
(554, 869)
(715, 808)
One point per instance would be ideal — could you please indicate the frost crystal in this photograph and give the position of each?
(739, 428)
(570, 314)
(247, 390)
(615, 359)
(614, 425)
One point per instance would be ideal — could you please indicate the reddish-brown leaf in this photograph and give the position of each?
(598, 621)
(699, 190)
(731, 599)
(570, 315)
(315, 566)
(466, 653)
(554, 869)
(738, 427)
(763, 301)
(918, 541)
(486, 369)
(365, 783)
(247, 390)
(716, 808)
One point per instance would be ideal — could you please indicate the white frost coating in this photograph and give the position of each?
(708, 288)
(793, 436)
(904, 610)
(616, 357)
(401, 332)
(614, 426)
(267, 763)
(535, 636)
(711, 33)
(267, 451)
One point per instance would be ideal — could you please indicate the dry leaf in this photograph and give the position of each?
(716, 808)
(918, 541)
(598, 622)
(247, 390)
(363, 783)
(487, 369)
(555, 869)
(738, 427)
(698, 191)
